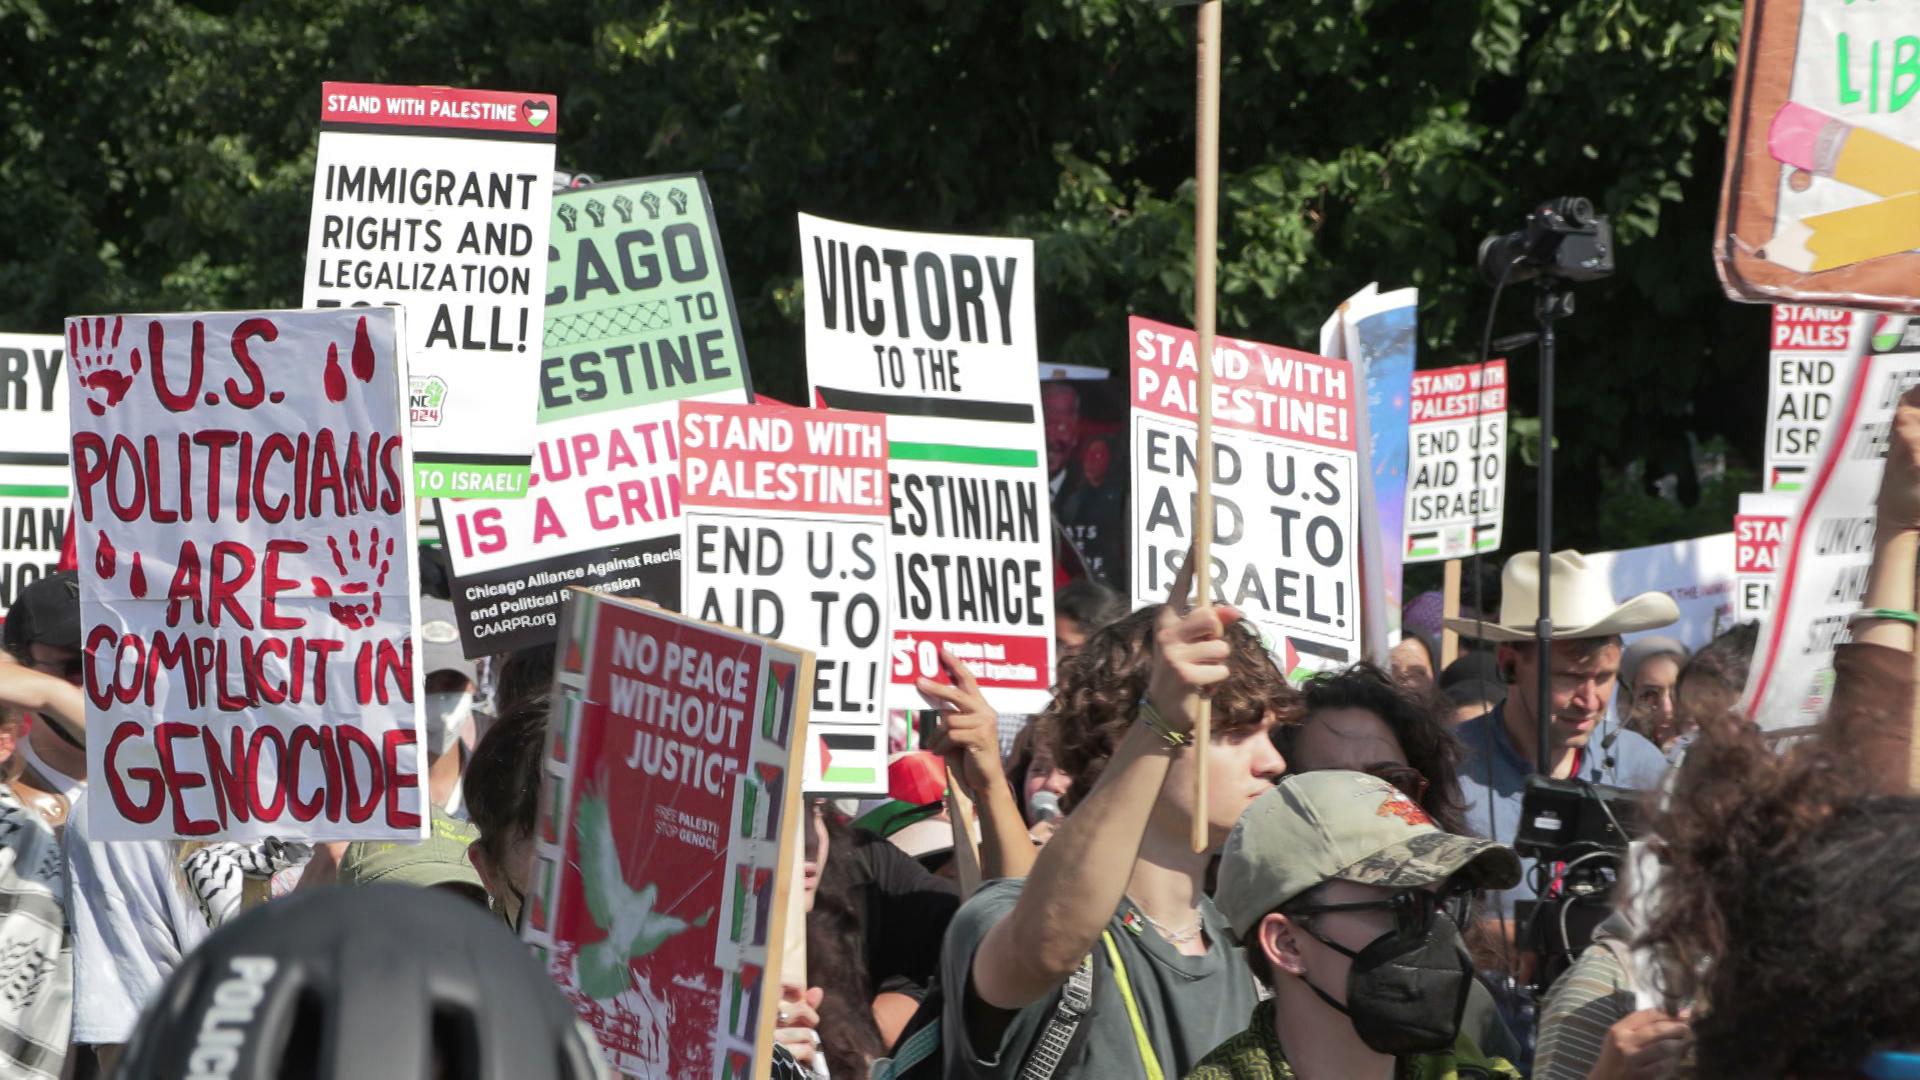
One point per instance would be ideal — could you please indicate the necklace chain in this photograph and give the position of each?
(1173, 936)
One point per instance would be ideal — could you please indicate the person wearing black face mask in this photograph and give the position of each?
(1348, 900)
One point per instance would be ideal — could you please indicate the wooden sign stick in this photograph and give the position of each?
(1449, 609)
(1206, 225)
(966, 855)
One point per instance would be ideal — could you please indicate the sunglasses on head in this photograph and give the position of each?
(1405, 777)
(1412, 909)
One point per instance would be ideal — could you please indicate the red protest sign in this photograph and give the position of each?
(669, 834)
(246, 542)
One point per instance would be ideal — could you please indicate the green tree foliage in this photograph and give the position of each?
(158, 155)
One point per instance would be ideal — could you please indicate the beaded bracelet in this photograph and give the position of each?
(1159, 727)
(1911, 618)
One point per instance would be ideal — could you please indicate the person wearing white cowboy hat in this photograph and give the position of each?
(1501, 747)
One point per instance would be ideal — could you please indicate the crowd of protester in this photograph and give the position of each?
(1361, 909)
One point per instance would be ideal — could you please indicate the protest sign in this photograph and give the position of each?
(1086, 422)
(639, 316)
(1457, 484)
(1285, 487)
(937, 333)
(1819, 204)
(786, 536)
(1377, 333)
(1697, 574)
(247, 574)
(669, 836)
(1827, 546)
(437, 200)
(1803, 366)
(34, 498)
(1757, 530)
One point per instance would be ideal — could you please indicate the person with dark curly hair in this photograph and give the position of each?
(1362, 719)
(1119, 888)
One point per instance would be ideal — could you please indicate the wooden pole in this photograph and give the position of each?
(1449, 609)
(1206, 225)
(1913, 728)
(966, 857)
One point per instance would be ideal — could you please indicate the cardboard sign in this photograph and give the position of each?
(786, 537)
(1285, 491)
(34, 498)
(437, 200)
(1377, 332)
(1803, 367)
(639, 317)
(1827, 546)
(670, 829)
(1819, 204)
(247, 574)
(1757, 531)
(1457, 487)
(937, 333)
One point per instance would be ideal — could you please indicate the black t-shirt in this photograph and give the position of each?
(904, 912)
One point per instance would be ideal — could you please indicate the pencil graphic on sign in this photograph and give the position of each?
(1844, 237)
(1828, 146)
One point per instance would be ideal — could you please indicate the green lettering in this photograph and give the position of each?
(1906, 65)
(1848, 95)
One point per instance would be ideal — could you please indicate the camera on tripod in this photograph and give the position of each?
(1563, 238)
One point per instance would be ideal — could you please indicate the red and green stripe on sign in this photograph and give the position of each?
(950, 454)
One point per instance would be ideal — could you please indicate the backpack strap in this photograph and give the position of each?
(1050, 1049)
(1141, 1039)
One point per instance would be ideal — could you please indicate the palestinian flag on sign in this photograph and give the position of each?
(831, 773)
(1421, 544)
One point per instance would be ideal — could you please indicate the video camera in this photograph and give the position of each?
(1576, 832)
(1563, 238)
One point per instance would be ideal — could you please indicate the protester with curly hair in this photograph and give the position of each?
(1120, 887)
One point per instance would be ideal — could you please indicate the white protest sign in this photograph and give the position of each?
(639, 316)
(937, 333)
(1697, 574)
(34, 499)
(786, 537)
(1757, 531)
(1284, 487)
(1828, 543)
(437, 200)
(1457, 478)
(1803, 369)
(247, 574)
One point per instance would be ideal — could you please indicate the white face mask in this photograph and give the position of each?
(448, 715)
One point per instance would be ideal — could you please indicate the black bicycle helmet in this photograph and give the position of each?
(380, 982)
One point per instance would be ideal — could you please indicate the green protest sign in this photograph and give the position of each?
(638, 307)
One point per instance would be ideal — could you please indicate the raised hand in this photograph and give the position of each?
(1189, 660)
(105, 373)
(363, 571)
(970, 729)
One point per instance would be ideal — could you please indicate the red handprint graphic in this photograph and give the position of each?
(335, 378)
(362, 574)
(104, 374)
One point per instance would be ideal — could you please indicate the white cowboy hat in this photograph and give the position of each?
(1582, 600)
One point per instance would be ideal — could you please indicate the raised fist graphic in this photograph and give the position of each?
(569, 217)
(624, 207)
(652, 202)
(362, 574)
(105, 374)
(679, 200)
(597, 210)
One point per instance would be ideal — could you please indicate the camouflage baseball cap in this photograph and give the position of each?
(440, 859)
(1334, 825)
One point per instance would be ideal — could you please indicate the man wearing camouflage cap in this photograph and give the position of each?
(1348, 901)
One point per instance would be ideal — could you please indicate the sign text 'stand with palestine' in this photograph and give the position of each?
(937, 333)
(1284, 487)
(786, 536)
(669, 836)
(437, 200)
(34, 498)
(247, 574)
(639, 316)
(1456, 487)
(1758, 530)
